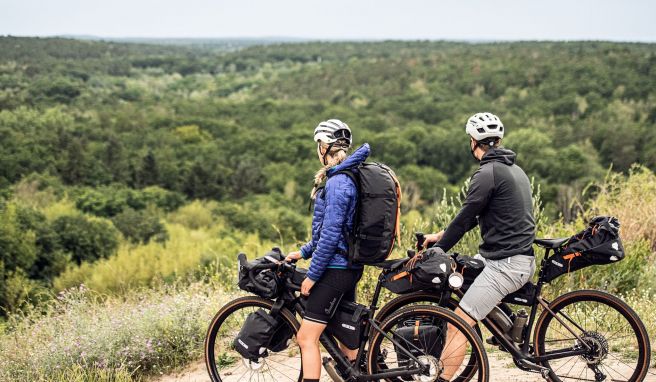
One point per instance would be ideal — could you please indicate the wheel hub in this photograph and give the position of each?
(434, 369)
(598, 348)
(253, 365)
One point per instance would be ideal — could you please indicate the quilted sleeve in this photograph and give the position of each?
(340, 192)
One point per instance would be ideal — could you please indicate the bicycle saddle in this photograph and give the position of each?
(551, 243)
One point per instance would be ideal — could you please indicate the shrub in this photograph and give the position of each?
(86, 239)
(79, 335)
(140, 226)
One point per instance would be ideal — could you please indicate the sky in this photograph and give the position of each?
(628, 20)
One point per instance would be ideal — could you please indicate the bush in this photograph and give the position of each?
(80, 335)
(111, 201)
(86, 239)
(140, 226)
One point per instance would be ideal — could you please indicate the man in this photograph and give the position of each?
(499, 200)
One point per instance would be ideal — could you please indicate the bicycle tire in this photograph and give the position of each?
(477, 348)
(224, 313)
(571, 298)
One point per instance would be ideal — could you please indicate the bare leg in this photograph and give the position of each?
(349, 353)
(454, 352)
(308, 339)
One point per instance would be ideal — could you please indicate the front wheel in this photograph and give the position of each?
(617, 343)
(224, 363)
(435, 336)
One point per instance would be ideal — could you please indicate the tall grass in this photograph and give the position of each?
(84, 336)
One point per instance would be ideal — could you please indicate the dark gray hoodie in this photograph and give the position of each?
(499, 201)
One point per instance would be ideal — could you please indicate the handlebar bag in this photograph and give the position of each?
(427, 335)
(469, 268)
(256, 334)
(347, 323)
(267, 278)
(598, 244)
(428, 270)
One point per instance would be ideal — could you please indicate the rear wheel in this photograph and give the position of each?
(618, 345)
(436, 349)
(428, 298)
(225, 364)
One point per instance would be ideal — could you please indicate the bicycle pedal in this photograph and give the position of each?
(331, 368)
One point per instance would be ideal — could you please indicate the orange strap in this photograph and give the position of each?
(416, 329)
(400, 275)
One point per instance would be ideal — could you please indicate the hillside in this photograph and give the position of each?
(132, 173)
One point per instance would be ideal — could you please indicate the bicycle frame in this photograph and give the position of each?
(522, 355)
(335, 352)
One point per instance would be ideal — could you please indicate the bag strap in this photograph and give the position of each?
(277, 306)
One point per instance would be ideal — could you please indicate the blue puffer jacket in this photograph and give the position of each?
(334, 209)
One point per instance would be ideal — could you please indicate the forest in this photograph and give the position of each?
(127, 166)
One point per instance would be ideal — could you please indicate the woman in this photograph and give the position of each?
(330, 278)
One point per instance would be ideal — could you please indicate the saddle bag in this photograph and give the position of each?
(347, 325)
(598, 244)
(428, 270)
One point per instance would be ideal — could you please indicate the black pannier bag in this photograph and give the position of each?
(347, 323)
(256, 334)
(469, 268)
(598, 244)
(426, 334)
(265, 277)
(377, 214)
(281, 338)
(427, 270)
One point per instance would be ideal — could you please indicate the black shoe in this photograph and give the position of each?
(492, 341)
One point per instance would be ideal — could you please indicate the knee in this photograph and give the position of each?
(306, 339)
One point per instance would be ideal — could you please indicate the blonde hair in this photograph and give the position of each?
(338, 153)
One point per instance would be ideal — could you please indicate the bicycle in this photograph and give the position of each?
(382, 352)
(573, 336)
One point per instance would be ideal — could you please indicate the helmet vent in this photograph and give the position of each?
(492, 127)
(481, 130)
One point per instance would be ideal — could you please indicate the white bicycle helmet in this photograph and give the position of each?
(331, 131)
(481, 126)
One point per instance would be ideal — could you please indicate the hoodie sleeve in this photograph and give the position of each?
(340, 192)
(478, 196)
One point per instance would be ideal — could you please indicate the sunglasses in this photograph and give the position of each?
(345, 134)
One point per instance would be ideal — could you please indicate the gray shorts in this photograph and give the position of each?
(498, 279)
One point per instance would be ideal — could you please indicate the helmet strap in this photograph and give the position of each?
(325, 155)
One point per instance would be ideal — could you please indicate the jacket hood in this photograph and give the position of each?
(360, 155)
(501, 155)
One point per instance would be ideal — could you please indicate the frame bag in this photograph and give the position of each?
(347, 323)
(598, 244)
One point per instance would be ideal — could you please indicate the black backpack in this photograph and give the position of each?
(377, 214)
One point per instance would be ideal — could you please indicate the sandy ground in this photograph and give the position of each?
(502, 370)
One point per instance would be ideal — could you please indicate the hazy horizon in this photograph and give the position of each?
(339, 20)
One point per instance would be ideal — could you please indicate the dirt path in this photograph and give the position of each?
(501, 370)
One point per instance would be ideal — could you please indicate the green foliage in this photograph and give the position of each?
(86, 239)
(111, 201)
(140, 226)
